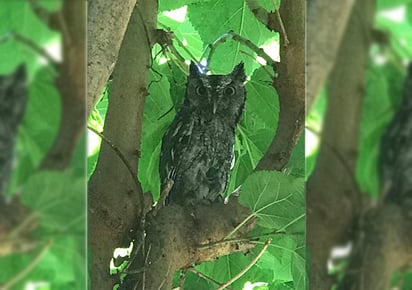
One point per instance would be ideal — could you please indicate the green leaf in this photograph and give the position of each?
(276, 199)
(277, 266)
(51, 6)
(296, 164)
(228, 266)
(173, 5)
(58, 199)
(18, 17)
(96, 121)
(39, 126)
(409, 12)
(267, 4)
(387, 4)
(158, 103)
(384, 91)
(314, 123)
(257, 128)
(286, 256)
(228, 16)
(61, 267)
(184, 33)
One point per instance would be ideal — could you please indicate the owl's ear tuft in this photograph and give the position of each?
(239, 72)
(193, 69)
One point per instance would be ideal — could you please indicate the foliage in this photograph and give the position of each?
(57, 199)
(279, 199)
(384, 90)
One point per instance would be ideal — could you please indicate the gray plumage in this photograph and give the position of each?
(13, 98)
(395, 160)
(197, 148)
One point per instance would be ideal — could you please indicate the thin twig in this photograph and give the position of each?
(232, 35)
(126, 163)
(28, 268)
(339, 156)
(248, 218)
(248, 240)
(204, 276)
(263, 66)
(132, 258)
(22, 227)
(164, 114)
(163, 195)
(241, 273)
(167, 274)
(182, 279)
(282, 26)
(229, 241)
(193, 58)
(174, 52)
(31, 44)
(181, 65)
(144, 266)
(148, 42)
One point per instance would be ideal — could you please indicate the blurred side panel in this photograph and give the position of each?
(42, 147)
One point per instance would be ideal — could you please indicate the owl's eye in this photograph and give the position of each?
(229, 91)
(200, 91)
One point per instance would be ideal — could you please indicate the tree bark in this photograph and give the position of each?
(71, 22)
(179, 237)
(114, 201)
(290, 83)
(383, 245)
(107, 23)
(326, 23)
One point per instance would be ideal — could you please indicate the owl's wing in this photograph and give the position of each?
(174, 147)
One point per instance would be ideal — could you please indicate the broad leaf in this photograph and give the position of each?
(276, 199)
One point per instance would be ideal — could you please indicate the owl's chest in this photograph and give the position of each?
(210, 134)
(200, 141)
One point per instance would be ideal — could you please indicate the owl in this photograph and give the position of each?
(395, 159)
(13, 98)
(197, 148)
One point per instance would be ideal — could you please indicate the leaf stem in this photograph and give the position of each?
(254, 261)
(239, 226)
(204, 276)
(28, 268)
(126, 163)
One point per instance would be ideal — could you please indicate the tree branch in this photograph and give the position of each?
(71, 22)
(326, 25)
(107, 22)
(113, 199)
(189, 227)
(290, 85)
(383, 245)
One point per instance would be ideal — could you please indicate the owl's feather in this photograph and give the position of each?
(395, 160)
(13, 96)
(197, 148)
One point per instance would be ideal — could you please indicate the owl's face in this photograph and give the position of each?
(222, 95)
